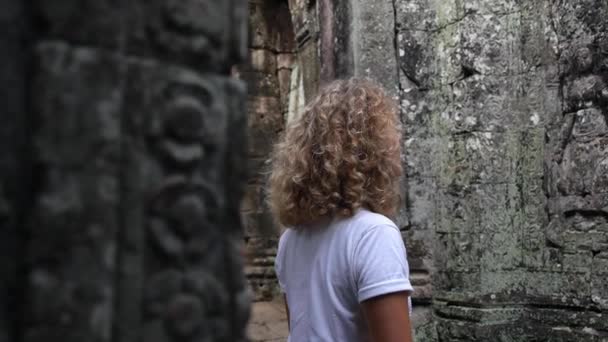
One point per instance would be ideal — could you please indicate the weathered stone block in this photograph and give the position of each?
(460, 252)
(261, 272)
(582, 168)
(422, 199)
(78, 195)
(594, 204)
(419, 249)
(263, 289)
(450, 284)
(578, 320)
(422, 319)
(260, 224)
(258, 169)
(558, 287)
(285, 88)
(575, 23)
(262, 84)
(173, 29)
(498, 43)
(418, 111)
(494, 103)
(253, 199)
(377, 20)
(599, 286)
(106, 24)
(457, 212)
(423, 289)
(71, 69)
(478, 158)
(420, 152)
(265, 124)
(263, 60)
(421, 15)
(286, 60)
(261, 35)
(577, 263)
(271, 27)
(588, 124)
(490, 158)
(417, 61)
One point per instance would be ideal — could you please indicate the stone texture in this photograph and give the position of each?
(490, 133)
(121, 177)
(307, 28)
(268, 74)
(268, 322)
(181, 203)
(74, 223)
(372, 34)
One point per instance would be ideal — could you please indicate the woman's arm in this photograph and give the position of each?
(388, 317)
(287, 311)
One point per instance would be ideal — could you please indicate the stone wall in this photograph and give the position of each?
(504, 189)
(121, 171)
(268, 74)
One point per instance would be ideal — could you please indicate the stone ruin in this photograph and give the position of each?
(123, 160)
(505, 110)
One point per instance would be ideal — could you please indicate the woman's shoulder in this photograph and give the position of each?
(365, 220)
(364, 223)
(284, 236)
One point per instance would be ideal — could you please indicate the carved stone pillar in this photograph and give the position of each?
(139, 145)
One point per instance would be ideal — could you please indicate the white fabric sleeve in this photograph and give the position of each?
(278, 264)
(380, 263)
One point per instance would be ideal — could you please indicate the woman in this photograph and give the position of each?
(341, 263)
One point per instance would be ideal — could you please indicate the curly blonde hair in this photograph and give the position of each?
(341, 154)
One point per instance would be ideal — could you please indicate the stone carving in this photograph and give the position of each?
(163, 237)
(137, 136)
(183, 315)
(185, 122)
(160, 288)
(577, 239)
(179, 29)
(184, 209)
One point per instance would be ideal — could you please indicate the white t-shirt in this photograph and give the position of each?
(327, 270)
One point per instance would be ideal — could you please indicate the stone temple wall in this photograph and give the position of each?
(505, 110)
(282, 71)
(268, 74)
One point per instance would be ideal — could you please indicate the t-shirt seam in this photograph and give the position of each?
(279, 259)
(394, 285)
(386, 282)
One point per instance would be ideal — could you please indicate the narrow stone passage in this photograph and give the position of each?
(268, 322)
